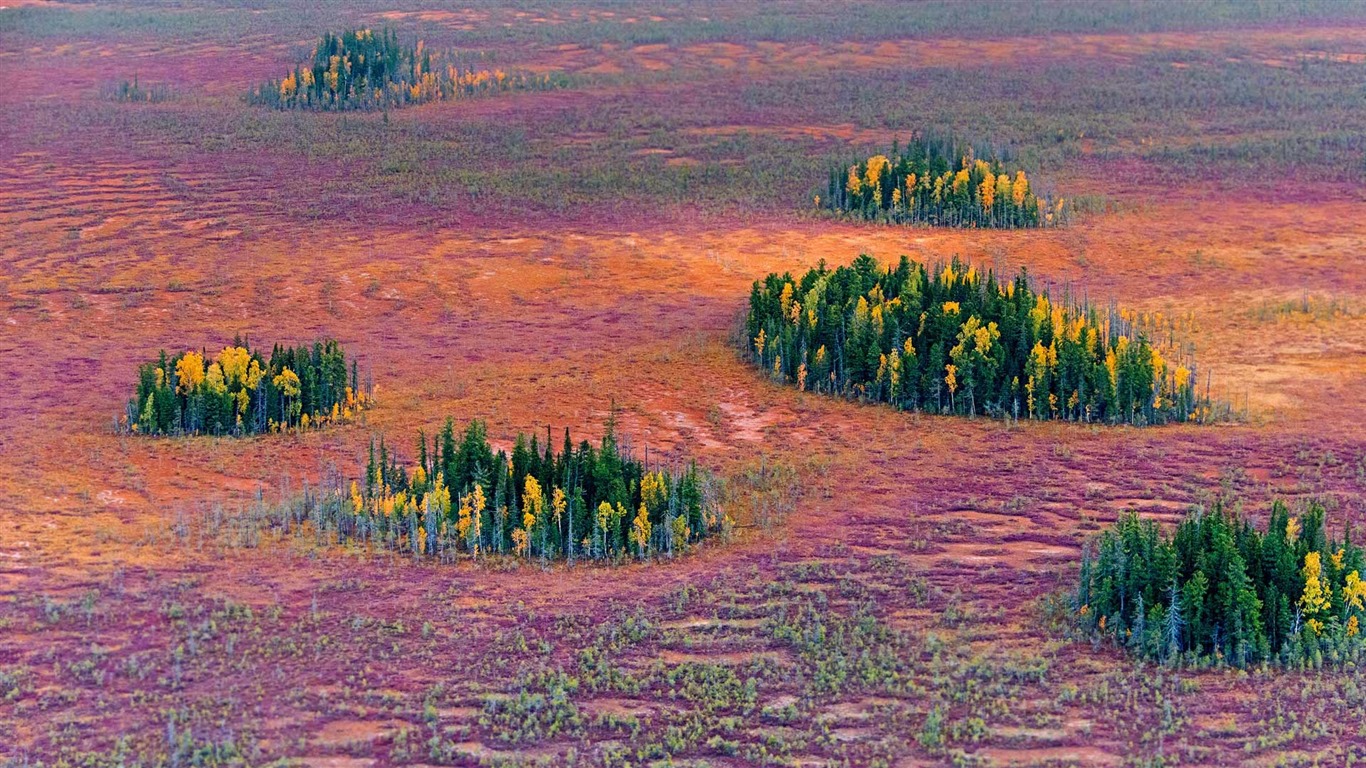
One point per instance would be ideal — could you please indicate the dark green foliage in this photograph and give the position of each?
(463, 498)
(938, 182)
(363, 70)
(1219, 589)
(240, 392)
(945, 339)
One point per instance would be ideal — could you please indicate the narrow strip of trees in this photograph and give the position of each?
(947, 339)
(1219, 590)
(939, 183)
(241, 392)
(360, 70)
(461, 499)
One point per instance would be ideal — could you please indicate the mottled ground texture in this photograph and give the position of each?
(530, 258)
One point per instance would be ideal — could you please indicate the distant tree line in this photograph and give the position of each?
(460, 498)
(946, 339)
(360, 69)
(940, 183)
(1218, 589)
(241, 392)
(133, 91)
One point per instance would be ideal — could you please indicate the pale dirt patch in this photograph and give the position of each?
(619, 707)
(333, 761)
(732, 658)
(700, 621)
(1048, 755)
(344, 733)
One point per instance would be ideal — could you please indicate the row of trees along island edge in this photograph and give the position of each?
(240, 391)
(948, 339)
(1219, 590)
(364, 70)
(939, 182)
(462, 499)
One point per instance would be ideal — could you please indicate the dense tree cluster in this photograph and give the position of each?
(363, 70)
(1219, 589)
(241, 392)
(460, 498)
(940, 183)
(946, 339)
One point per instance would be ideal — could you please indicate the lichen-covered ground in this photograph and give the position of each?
(529, 259)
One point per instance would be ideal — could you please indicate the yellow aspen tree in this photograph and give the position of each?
(960, 181)
(640, 531)
(288, 87)
(1354, 592)
(603, 519)
(654, 491)
(986, 193)
(873, 175)
(533, 507)
(189, 371)
(1112, 366)
(287, 382)
(558, 506)
(1159, 377)
(951, 379)
(463, 516)
(785, 298)
(254, 375)
(1317, 596)
(1020, 188)
(1354, 599)
(475, 531)
(357, 501)
(234, 362)
(853, 185)
(213, 379)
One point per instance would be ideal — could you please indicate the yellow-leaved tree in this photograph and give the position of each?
(641, 530)
(287, 382)
(1317, 595)
(533, 509)
(558, 506)
(1354, 601)
(189, 371)
(603, 519)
